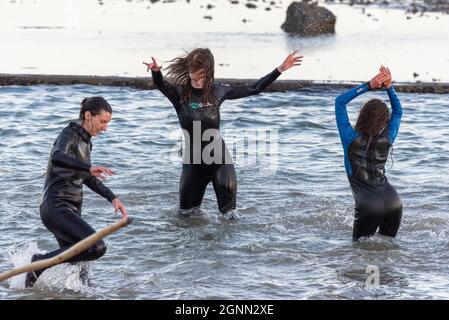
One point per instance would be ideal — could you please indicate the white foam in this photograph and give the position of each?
(59, 277)
(20, 255)
(64, 276)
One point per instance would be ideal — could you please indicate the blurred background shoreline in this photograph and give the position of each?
(112, 38)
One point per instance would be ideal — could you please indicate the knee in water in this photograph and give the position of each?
(99, 249)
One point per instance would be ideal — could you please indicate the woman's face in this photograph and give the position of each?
(197, 75)
(98, 123)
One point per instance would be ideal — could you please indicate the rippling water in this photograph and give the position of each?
(293, 238)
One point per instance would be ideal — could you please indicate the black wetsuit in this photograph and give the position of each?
(197, 118)
(377, 204)
(60, 209)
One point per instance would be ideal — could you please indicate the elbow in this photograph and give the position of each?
(398, 112)
(55, 157)
(253, 90)
(338, 100)
(338, 103)
(156, 84)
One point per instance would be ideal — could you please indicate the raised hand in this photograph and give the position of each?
(386, 72)
(153, 66)
(377, 81)
(291, 61)
(101, 172)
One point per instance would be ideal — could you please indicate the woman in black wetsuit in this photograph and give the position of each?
(69, 167)
(366, 148)
(197, 99)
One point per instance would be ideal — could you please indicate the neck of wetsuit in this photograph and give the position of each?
(85, 135)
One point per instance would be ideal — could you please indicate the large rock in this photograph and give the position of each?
(309, 20)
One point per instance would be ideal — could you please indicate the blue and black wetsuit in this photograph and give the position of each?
(377, 204)
(197, 119)
(60, 210)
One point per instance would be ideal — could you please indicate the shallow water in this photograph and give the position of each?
(293, 238)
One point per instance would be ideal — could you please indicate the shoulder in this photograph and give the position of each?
(220, 88)
(70, 131)
(178, 88)
(221, 85)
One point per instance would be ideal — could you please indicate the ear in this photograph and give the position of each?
(87, 115)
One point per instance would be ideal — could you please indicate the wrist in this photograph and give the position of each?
(280, 69)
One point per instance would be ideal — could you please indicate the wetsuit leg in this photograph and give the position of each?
(84, 271)
(369, 213)
(192, 186)
(390, 224)
(69, 228)
(225, 186)
(366, 222)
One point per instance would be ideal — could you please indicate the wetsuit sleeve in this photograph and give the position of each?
(396, 114)
(63, 156)
(166, 88)
(347, 132)
(97, 186)
(236, 92)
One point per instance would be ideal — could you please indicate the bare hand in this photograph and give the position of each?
(387, 72)
(377, 81)
(101, 172)
(153, 66)
(291, 61)
(119, 206)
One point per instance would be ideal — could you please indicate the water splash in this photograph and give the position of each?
(73, 277)
(18, 256)
(64, 276)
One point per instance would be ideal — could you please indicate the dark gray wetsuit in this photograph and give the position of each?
(60, 209)
(196, 172)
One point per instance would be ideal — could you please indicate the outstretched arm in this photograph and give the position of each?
(256, 88)
(166, 88)
(237, 92)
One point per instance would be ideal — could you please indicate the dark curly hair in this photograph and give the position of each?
(373, 118)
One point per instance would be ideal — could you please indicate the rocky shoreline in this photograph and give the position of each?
(410, 6)
(146, 83)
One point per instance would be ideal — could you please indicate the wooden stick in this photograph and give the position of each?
(69, 253)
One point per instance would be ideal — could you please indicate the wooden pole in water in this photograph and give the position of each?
(73, 251)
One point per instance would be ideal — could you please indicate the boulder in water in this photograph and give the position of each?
(309, 20)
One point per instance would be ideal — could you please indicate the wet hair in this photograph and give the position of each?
(95, 105)
(373, 118)
(198, 59)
